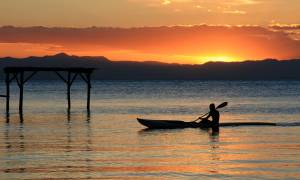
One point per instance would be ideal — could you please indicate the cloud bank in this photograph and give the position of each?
(180, 44)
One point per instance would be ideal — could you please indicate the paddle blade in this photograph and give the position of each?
(222, 105)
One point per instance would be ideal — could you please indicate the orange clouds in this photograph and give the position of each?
(137, 13)
(180, 44)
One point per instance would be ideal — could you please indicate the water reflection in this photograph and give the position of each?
(214, 147)
(42, 143)
(15, 143)
(52, 143)
(21, 117)
(88, 147)
(73, 141)
(18, 138)
(6, 135)
(69, 133)
(7, 117)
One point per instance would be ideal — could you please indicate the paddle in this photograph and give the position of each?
(218, 107)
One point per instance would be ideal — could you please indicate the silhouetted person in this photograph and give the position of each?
(215, 115)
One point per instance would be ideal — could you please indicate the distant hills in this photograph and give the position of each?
(268, 69)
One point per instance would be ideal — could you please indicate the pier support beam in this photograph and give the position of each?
(7, 82)
(88, 76)
(69, 90)
(21, 86)
(18, 73)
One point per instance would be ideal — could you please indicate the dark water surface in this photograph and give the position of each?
(109, 143)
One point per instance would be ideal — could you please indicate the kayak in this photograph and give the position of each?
(172, 124)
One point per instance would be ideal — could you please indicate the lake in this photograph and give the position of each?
(109, 143)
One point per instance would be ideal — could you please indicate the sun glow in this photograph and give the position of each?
(217, 58)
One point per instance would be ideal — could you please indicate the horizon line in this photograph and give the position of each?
(145, 61)
(143, 26)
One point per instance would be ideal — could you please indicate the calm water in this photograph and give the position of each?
(109, 143)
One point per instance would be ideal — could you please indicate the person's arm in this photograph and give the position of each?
(205, 117)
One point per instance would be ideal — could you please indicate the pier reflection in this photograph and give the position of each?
(46, 144)
(75, 142)
(15, 144)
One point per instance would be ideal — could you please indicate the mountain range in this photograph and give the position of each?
(268, 69)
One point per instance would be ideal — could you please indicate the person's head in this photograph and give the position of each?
(212, 106)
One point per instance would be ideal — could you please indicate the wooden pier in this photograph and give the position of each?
(23, 74)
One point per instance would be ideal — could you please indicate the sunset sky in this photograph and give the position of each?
(173, 31)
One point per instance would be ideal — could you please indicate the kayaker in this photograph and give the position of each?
(214, 114)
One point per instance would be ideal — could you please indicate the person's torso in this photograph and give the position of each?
(215, 116)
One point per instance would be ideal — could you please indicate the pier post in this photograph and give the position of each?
(88, 76)
(69, 90)
(18, 74)
(7, 93)
(21, 117)
(21, 91)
